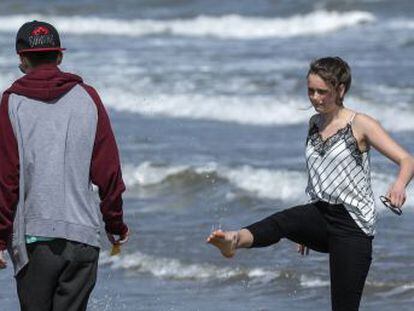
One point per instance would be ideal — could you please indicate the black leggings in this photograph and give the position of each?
(325, 228)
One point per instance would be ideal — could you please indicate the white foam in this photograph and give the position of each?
(147, 174)
(306, 281)
(270, 184)
(171, 268)
(254, 110)
(262, 183)
(227, 26)
(398, 290)
(258, 110)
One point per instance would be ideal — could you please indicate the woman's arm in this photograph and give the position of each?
(374, 135)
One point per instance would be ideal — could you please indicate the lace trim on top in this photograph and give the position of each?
(322, 146)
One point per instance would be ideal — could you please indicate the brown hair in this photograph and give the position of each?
(333, 70)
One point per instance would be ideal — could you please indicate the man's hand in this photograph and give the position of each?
(3, 262)
(123, 238)
(302, 249)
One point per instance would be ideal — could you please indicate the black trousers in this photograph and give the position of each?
(325, 228)
(60, 276)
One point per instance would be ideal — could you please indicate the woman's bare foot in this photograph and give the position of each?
(225, 241)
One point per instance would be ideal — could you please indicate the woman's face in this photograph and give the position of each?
(323, 96)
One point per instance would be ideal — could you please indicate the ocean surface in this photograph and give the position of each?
(208, 103)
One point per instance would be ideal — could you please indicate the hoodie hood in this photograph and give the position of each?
(45, 83)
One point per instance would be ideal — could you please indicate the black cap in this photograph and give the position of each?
(37, 37)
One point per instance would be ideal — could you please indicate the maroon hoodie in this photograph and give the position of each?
(47, 83)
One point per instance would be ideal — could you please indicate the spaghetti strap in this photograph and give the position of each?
(352, 118)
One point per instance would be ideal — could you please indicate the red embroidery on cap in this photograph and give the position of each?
(40, 30)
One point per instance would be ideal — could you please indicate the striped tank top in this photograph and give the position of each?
(339, 173)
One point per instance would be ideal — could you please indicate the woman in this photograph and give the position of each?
(340, 217)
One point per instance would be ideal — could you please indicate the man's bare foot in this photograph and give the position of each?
(225, 241)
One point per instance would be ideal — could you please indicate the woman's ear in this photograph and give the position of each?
(341, 91)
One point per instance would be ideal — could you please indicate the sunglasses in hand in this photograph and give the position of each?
(387, 202)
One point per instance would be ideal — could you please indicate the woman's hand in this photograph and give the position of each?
(397, 194)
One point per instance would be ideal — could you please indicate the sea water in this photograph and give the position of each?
(208, 103)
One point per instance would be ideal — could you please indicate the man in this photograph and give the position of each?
(55, 142)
